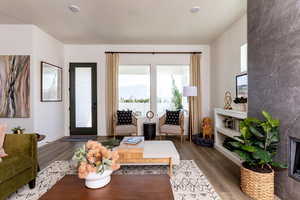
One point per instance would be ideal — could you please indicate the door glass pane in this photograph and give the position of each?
(170, 82)
(134, 88)
(83, 92)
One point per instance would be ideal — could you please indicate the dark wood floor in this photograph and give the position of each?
(222, 173)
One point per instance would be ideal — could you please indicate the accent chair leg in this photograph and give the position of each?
(32, 184)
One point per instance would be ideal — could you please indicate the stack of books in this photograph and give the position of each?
(132, 140)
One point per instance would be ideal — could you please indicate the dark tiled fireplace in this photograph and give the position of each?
(273, 80)
(294, 158)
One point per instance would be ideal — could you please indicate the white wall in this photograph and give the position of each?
(45, 118)
(18, 40)
(48, 116)
(225, 61)
(96, 53)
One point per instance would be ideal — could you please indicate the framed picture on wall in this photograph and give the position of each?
(242, 85)
(51, 82)
(14, 86)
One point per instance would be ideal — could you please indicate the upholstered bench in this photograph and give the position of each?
(149, 153)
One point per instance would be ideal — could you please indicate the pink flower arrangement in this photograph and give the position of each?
(95, 158)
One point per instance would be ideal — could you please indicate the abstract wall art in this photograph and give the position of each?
(14, 86)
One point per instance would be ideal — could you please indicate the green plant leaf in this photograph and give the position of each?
(239, 137)
(274, 137)
(266, 127)
(271, 121)
(80, 154)
(255, 132)
(274, 123)
(235, 144)
(259, 144)
(243, 155)
(279, 165)
(248, 148)
(263, 156)
(250, 120)
(266, 115)
(245, 133)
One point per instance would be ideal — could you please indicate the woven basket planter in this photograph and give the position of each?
(258, 186)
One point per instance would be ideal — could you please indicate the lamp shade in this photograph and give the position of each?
(190, 91)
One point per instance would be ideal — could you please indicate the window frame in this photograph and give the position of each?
(153, 82)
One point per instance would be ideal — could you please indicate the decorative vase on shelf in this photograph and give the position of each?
(243, 107)
(96, 180)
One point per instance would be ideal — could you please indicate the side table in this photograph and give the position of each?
(149, 130)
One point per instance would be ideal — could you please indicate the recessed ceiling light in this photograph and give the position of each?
(195, 9)
(74, 8)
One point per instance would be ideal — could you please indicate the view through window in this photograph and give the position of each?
(170, 82)
(167, 82)
(134, 88)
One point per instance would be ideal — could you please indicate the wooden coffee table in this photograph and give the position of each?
(121, 187)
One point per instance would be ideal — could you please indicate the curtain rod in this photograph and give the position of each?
(152, 52)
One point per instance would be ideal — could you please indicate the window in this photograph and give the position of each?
(170, 82)
(134, 88)
(152, 87)
(244, 57)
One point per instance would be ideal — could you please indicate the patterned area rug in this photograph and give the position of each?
(188, 182)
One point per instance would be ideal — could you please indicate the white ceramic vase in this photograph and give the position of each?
(94, 180)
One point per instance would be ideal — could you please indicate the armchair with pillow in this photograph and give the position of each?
(124, 124)
(172, 123)
(19, 166)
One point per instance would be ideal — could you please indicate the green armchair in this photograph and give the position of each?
(20, 166)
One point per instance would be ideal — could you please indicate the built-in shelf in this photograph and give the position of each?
(231, 113)
(231, 155)
(221, 132)
(229, 132)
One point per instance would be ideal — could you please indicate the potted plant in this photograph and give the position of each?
(95, 164)
(18, 130)
(257, 146)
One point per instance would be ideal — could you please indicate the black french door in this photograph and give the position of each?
(83, 98)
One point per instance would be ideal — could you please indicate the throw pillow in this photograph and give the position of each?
(172, 117)
(124, 117)
(2, 136)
